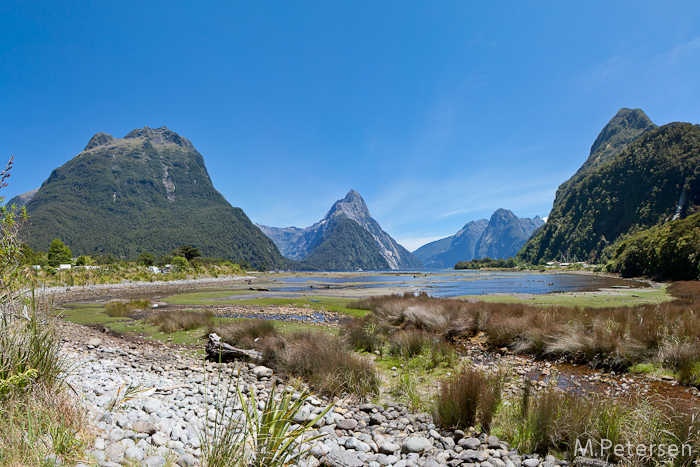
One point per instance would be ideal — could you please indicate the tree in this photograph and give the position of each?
(180, 263)
(59, 253)
(188, 252)
(146, 259)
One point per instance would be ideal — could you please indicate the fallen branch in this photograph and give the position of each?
(220, 351)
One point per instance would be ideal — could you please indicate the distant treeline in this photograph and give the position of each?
(487, 263)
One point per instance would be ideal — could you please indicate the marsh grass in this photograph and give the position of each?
(468, 397)
(329, 365)
(122, 309)
(615, 338)
(181, 320)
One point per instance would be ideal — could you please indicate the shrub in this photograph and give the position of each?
(121, 309)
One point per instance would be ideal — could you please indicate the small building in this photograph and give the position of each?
(65, 266)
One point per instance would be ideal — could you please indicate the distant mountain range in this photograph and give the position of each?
(500, 237)
(643, 180)
(347, 238)
(147, 192)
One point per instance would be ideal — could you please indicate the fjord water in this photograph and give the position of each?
(452, 283)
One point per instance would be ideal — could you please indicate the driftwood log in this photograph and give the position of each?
(218, 351)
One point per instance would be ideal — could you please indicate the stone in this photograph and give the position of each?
(302, 415)
(186, 460)
(134, 454)
(145, 427)
(116, 435)
(343, 459)
(470, 443)
(494, 442)
(415, 444)
(470, 455)
(262, 372)
(95, 342)
(152, 406)
(388, 448)
(155, 461)
(100, 444)
(346, 424)
(115, 452)
(376, 419)
(159, 439)
(531, 462)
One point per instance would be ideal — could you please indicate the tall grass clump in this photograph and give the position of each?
(468, 397)
(329, 365)
(365, 334)
(181, 320)
(38, 418)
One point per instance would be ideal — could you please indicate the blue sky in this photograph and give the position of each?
(437, 113)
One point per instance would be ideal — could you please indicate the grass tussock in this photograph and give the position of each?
(468, 397)
(38, 417)
(121, 309)
(615, 338)
(182, 320)
(329, 365)
(553, 421)
(324, 361)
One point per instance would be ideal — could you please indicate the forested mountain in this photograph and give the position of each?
(626, 126)
(301, 244)
(655, 178)
(500, 237)
(149, 191)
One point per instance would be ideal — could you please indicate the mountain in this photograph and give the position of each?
(505, 235)
(23, 199)
(149, 191)
(626, 126)
(314, 243)
(500, 237)
(656, 178)
(447, 252)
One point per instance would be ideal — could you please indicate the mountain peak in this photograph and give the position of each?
(160, 136)
(354, 197)
(624, 127)
(99, 139)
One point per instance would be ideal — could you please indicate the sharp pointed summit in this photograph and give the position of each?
(358, 240)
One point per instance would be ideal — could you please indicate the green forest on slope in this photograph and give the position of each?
(147, 192)
(638, 189)
(668, 252)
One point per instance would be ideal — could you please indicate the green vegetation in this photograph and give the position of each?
(637, 190)
(668, 252)
(488, 263)
(148, 192)
(626, 126)
(59, 254)
(266, 437)
(38, 417)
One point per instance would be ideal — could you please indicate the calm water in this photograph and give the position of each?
(453, 283)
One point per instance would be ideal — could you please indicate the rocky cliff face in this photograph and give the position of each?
(500, 237)
(299, 244)
(149, 191)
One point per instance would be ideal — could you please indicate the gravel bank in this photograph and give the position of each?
(164, 425)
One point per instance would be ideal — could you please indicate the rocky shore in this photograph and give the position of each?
(162, 425)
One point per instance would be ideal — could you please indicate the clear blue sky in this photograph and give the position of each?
(437, 113)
